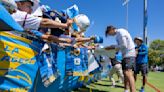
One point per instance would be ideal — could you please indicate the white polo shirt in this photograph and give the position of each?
(31, 22)
(125, 43)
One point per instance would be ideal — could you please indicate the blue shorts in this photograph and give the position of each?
(143, 68)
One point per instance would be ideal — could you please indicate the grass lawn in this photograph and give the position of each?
(154, 78)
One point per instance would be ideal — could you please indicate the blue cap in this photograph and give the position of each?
(98, 39)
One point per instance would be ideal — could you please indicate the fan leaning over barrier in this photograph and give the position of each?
(31, 23)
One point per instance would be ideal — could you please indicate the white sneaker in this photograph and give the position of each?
(126, 91)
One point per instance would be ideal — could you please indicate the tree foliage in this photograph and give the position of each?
(156, 52)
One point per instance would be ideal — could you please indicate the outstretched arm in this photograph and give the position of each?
(47, 23)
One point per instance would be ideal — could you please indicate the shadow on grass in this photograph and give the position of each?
(119, 86)
(90, 88)
(93, 87)
(86, 89)
(105, 80)
(97, 83)
(108, 85)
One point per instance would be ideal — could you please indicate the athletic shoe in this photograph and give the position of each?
(142, 90)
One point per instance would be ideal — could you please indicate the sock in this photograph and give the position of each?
(126, 90)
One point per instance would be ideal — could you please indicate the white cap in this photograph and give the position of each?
(9, 4)
(138, 38)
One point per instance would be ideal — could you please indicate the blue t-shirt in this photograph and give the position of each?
(142, 56)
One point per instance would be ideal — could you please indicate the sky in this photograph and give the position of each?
(111, 12)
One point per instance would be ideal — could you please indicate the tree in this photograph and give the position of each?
(156, 52)
(157, 45)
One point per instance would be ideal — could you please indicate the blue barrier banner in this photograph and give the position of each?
(48, 64)
(76, 61)
(18, 62)
(63, 83)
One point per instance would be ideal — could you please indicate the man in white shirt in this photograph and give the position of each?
(23, 16)
(126, 45)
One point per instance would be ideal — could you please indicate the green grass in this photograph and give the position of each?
(155, 78)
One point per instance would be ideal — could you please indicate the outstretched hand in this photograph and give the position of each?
(69, 22)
